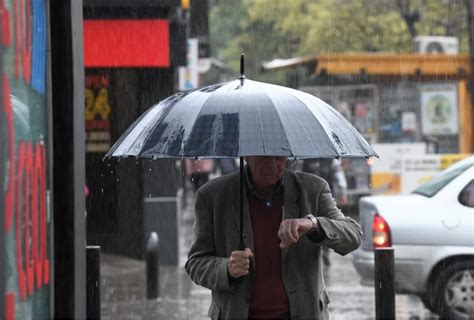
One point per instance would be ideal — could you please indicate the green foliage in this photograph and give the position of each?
(269, 29)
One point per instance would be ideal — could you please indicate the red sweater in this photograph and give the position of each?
(269, 299)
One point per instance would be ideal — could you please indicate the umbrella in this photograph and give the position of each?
(241, 118)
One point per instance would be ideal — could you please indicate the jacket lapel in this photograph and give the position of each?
(248, 232)
(291, 206)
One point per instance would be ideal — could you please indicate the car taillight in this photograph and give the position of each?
(380, 233)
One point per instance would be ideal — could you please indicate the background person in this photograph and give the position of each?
(281, 264)
(198, 171)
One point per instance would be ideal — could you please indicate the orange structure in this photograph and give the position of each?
(390, 66)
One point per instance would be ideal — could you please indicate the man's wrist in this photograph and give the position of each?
(314, 222)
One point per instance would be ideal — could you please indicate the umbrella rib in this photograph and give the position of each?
(332, 144)
(280, 118)
(156, 124)
(198, 114)
(135, 124)
(305, 130)
(349, 126)
(177, 123)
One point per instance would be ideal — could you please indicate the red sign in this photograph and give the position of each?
(126, 43)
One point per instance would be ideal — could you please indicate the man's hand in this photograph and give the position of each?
(292, 229)
(239, 263)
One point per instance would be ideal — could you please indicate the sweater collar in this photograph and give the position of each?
(277, 190)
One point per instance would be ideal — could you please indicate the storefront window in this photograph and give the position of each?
(26, 237)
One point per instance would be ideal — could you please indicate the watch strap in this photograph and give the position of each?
(314, 221)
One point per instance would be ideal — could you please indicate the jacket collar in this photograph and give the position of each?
(291, 203)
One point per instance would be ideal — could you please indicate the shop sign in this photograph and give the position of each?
(439, 109)
(385, 174)
(97, 113)
(126, 43)
(26, 238)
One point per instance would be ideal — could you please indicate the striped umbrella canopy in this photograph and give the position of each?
(241, 118)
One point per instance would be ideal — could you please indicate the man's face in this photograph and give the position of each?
(266, 171)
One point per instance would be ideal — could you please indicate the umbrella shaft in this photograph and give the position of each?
(242, 181)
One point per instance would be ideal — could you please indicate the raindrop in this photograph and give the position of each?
(102, 190)
(108, 164)
(119, 159)
(149, 169)
(111, 171)
(149, 195)
(136, 162)
(118, 179)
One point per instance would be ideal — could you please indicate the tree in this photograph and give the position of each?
(268, 29)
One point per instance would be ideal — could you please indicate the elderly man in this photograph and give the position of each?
(288, 216)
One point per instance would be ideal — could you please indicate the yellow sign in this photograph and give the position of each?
(449, 159)
(185, 4)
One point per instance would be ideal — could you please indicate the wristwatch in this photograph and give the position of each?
(314, 221)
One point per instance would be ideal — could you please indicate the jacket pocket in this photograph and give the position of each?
(214, 311)
(324, 300)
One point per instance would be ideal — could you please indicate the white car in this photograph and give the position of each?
(432, 233)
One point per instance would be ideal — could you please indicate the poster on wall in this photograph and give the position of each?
(439, 109)
(189, 75)
(97, 113)
(26, 243)
(385, 174)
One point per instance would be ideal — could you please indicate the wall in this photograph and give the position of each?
(115, 206)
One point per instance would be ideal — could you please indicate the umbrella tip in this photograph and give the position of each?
(242, 76)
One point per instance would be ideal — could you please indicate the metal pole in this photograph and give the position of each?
(241, 207)
(384, 284)
(152, 267)
(470, 22)
(93, 282)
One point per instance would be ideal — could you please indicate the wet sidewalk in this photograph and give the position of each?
(123, 291)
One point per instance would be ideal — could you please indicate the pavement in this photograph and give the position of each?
(123, 290)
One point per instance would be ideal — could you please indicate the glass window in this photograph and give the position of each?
(466, 197)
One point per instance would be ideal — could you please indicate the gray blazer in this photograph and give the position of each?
(216, 235)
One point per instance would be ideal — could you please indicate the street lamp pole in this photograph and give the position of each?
(470, 22)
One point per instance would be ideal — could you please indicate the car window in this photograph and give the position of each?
(466, 197)
(438, 182)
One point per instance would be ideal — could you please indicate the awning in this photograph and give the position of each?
(380, 64)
